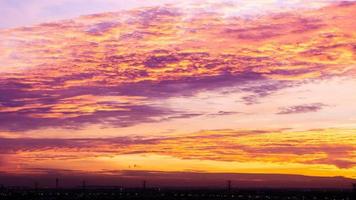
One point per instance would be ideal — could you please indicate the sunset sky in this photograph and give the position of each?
(178, 89)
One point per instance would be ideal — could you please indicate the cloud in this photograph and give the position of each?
(118, 65)
(272, 30)
(305, 108)
(115, 106)
(340, 163)
(33, 119)
(329, 147)
(39, 11)
(100, 28)
(223, 113)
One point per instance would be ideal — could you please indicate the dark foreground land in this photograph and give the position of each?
(174, 194)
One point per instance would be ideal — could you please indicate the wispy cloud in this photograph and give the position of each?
(303, 147)
(305, 108)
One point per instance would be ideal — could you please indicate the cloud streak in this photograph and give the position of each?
(308, 147)
(305, 108)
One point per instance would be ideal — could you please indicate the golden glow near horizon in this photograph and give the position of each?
(183, 88)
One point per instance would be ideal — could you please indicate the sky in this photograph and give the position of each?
(254, 91)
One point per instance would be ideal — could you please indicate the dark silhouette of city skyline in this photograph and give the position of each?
(159, 186)
(229, 191)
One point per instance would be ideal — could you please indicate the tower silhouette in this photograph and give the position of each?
(144, 184)
(84, 185)
(36, 185)
(57, 183)
(229, 185)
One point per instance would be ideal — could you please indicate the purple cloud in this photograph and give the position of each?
(265, 32)
(101, 28)
(305, 108)
(28, 104)
(23, 121)
(86, 67)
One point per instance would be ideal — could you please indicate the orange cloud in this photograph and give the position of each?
(117, 69)
(334, 149)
